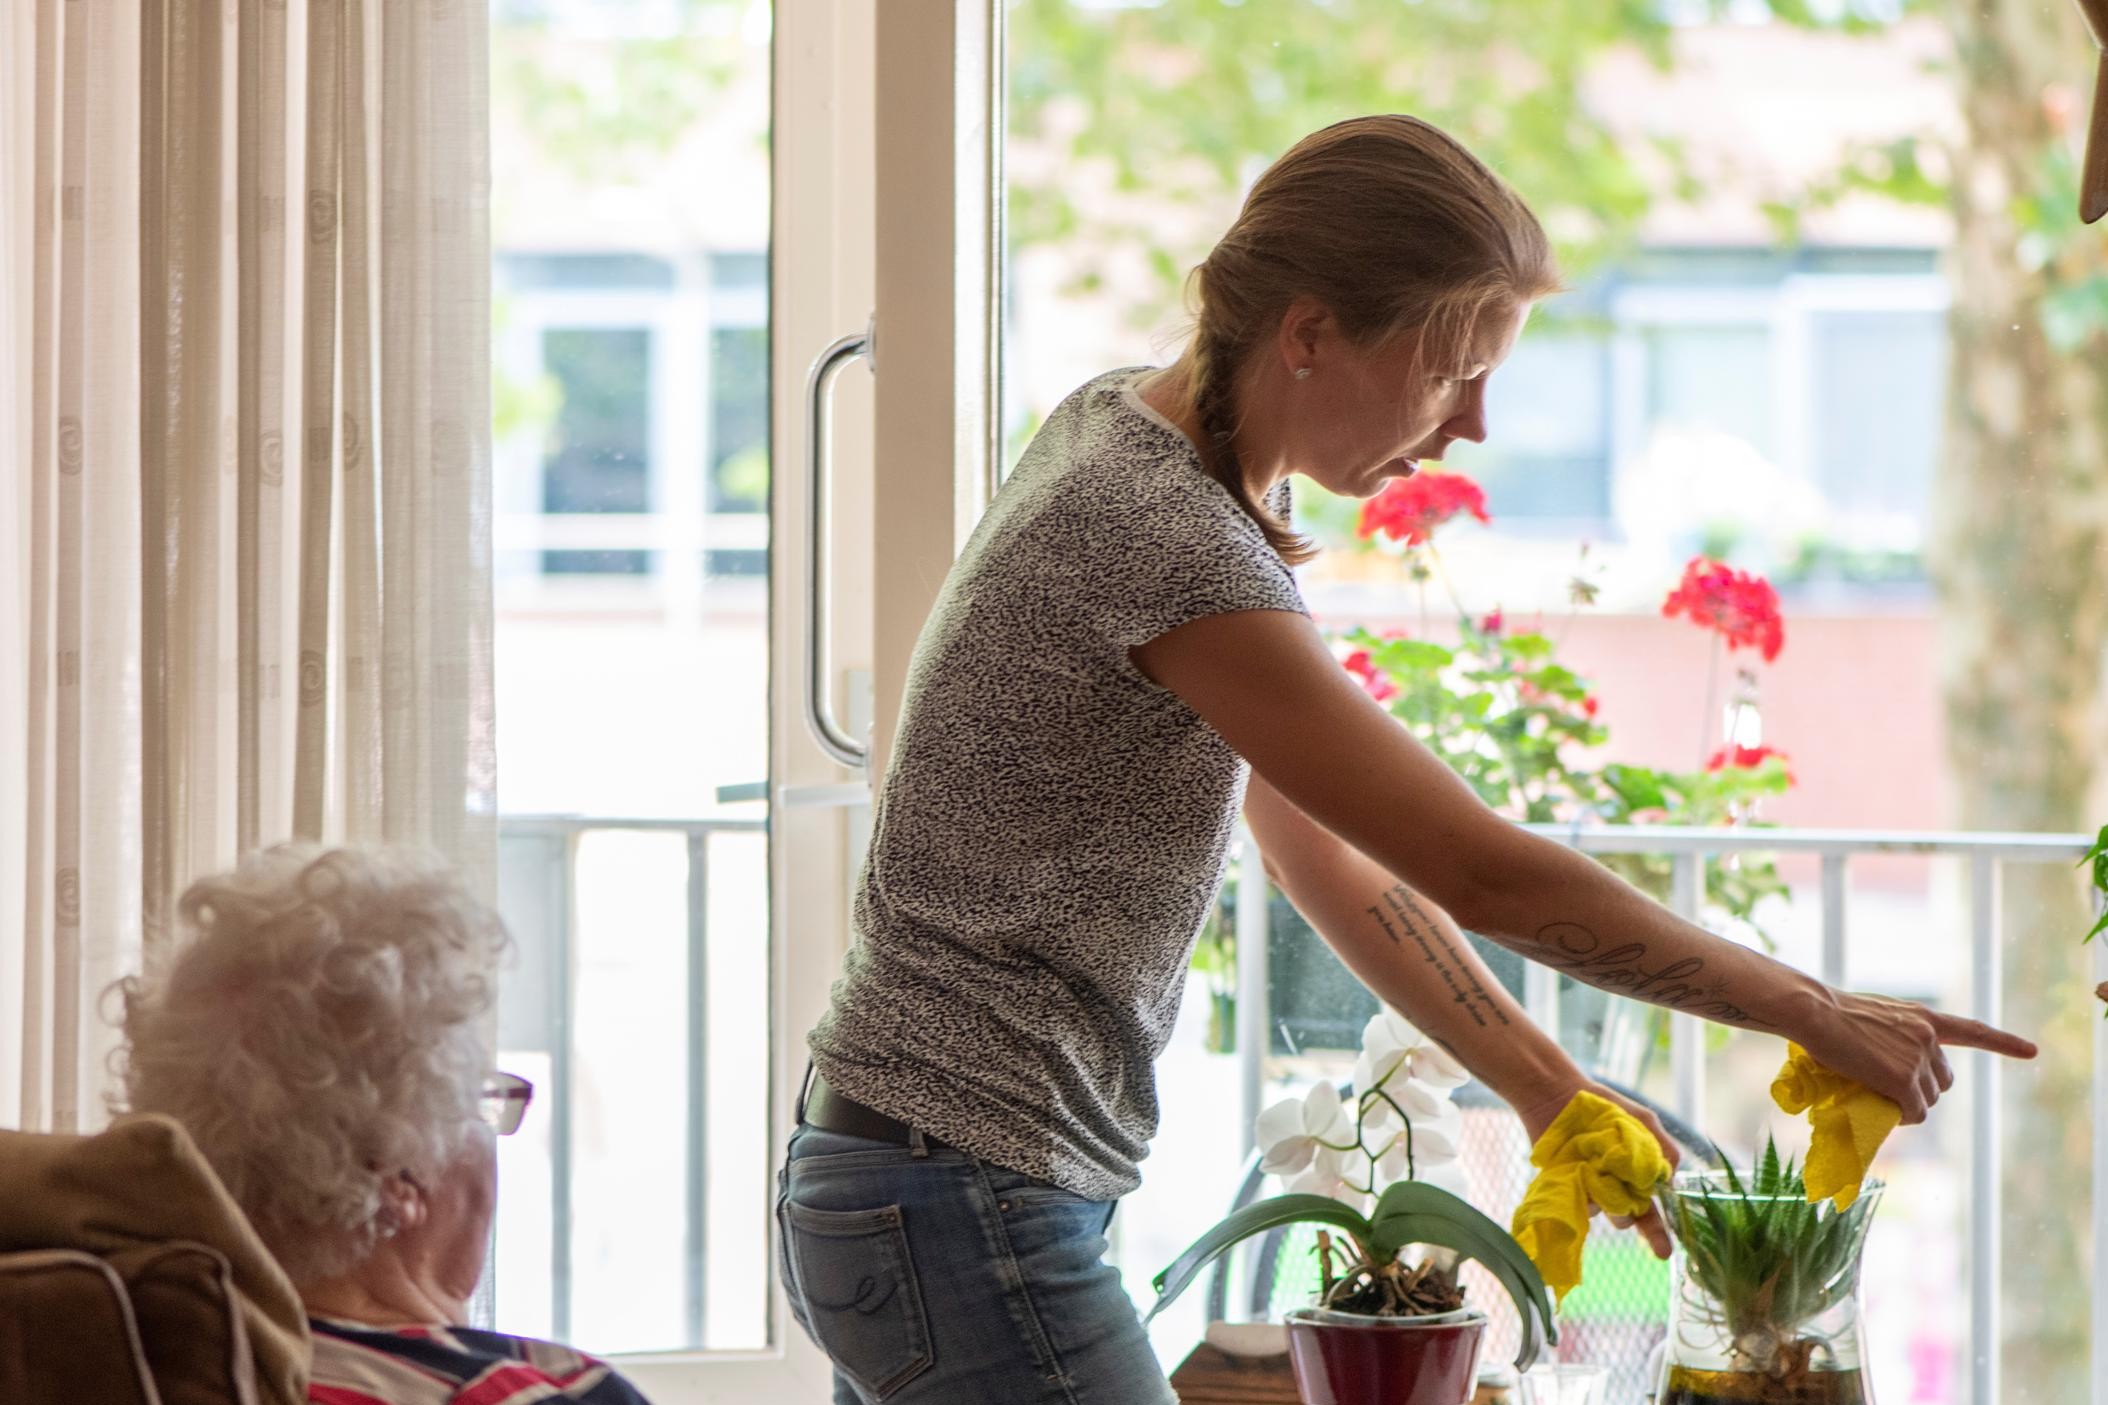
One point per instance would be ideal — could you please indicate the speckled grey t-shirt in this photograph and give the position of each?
(1053, 826)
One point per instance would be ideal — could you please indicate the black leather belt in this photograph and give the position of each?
(832, 1112)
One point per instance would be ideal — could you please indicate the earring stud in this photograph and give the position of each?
(1302, 373)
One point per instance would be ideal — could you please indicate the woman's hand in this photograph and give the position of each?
(1539, 1111)
(1893, 1046)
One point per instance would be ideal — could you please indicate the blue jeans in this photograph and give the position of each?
(939, 1279)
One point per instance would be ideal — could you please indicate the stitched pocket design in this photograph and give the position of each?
(861, 1300)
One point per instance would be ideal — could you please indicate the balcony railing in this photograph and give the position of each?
(539, 871)
(541, 854)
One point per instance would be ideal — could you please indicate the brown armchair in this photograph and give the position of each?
(129, 1276)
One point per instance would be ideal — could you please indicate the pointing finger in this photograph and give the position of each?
(1975, 1034)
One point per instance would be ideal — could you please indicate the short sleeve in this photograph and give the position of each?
(1186, 552)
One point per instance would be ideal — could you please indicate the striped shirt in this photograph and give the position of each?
(359, 1365)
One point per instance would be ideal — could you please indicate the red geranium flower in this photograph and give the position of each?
(1744, 758)
(1742, 607)
(1589, 705)
(1372, 678)
(1409, 509)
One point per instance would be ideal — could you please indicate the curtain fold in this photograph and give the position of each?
(214, 636)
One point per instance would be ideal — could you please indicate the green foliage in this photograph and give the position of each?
(1767, 1260)
(2069, 257)
(519, 405)
(1517, 725)
(1409, 1213)
(608, 109)
(1116, 91)
(2098, 857)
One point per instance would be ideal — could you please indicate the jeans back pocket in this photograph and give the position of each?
(857, 1283)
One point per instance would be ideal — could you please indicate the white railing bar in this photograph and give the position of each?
(2100, 1174)
(580, 824)
(1253, 981)
(1983, 1142)
(1688, 839)
(1833, 948)
(1686, 1032)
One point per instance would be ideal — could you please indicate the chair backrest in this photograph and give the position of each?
(67, 1333)
(171, 1285)
(1614, 1318)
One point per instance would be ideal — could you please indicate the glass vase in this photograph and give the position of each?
(1766, 1304)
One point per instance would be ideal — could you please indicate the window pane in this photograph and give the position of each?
(1878, 379)
(599, 457)
(1712, 381)
(630, 143)
(1547, 452)
(1776, 402)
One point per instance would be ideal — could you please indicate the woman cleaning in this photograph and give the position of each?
(1119, 659)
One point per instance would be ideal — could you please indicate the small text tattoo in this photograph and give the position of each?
(1403, 919)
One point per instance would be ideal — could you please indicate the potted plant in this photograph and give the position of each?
(1390, 1322)
(1766, 1306)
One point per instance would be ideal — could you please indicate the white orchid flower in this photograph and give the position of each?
(1449, 1176)
(1391, 1045)
(1328, 1176)
(1398, 1094)
(1293, 1132)
(1437, 1140)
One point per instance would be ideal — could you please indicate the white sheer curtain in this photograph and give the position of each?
(244, 421)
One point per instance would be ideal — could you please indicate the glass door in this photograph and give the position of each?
(715, 547)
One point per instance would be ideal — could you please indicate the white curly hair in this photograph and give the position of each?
(317, 1031)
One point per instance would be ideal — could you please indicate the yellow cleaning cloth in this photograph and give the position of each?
(1594, 1151)
(1847, 1120)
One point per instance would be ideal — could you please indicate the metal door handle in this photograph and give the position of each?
(819, 706)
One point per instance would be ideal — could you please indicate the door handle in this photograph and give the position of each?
(819, 705)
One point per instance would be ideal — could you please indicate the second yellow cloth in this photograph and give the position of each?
(1847, 1123)
(1594, 1152)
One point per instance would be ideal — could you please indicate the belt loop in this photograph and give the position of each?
(917, 1147)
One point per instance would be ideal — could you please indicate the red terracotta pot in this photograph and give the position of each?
(1344, 1359)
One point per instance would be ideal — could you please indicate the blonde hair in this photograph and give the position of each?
(319, 1029)
(1394, 227)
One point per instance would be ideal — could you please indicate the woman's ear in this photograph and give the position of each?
(1306, 328)
(404, 1205)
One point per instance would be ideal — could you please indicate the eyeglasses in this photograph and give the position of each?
(504, 1102)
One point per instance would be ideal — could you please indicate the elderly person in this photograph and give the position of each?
(319, 1033)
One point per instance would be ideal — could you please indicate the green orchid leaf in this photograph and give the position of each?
(1254, 1219)
(1413, 1212)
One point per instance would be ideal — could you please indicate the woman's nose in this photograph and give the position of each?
(1469, 422)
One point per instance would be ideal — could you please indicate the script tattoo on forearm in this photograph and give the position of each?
(1403, 919)
(1680, 985)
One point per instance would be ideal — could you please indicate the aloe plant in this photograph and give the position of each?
(1406, 1214)
(1768, 1262)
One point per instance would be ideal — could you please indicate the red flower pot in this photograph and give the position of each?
(1342, 1358)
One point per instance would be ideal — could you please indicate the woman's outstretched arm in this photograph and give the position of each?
(1266, 682)
(1413, 956)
